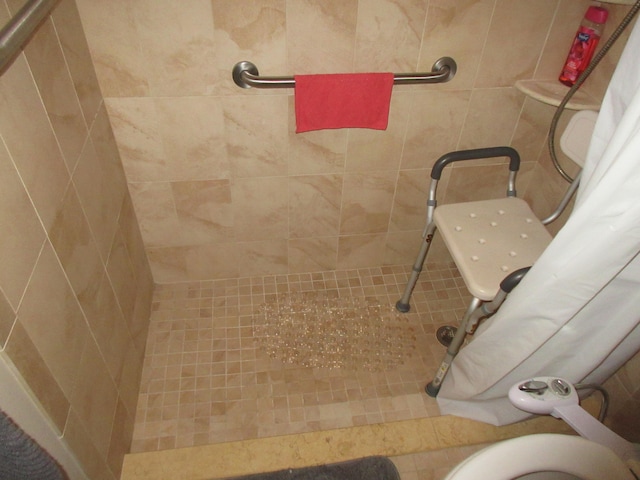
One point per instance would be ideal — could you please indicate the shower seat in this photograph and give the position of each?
(492, 242)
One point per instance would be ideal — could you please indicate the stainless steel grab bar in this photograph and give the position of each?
(246, 75)
(15, 34)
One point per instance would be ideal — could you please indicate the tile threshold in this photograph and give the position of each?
(223, 460)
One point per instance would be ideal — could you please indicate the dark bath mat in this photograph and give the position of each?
(370, 468)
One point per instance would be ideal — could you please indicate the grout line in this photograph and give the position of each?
(207, 327)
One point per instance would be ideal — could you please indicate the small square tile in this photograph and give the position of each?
(207, 379)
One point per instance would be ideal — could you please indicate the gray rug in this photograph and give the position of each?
(370, 468)
(21, 458)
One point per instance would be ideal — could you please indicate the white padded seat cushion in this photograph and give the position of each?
(490, 239)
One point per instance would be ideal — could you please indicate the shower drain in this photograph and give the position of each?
(315, 330)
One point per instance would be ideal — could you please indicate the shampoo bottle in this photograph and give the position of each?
(584, 44)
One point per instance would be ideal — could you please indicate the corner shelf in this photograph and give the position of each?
(552, 92)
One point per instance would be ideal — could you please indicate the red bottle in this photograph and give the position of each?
(584, 44)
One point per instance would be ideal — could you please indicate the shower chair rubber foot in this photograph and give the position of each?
(402, 307)
(431, 390)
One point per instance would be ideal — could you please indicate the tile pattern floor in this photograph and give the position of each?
(207, 378)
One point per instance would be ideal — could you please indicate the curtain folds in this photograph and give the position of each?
(576, 314)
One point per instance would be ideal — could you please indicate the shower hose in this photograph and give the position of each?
(592, 65)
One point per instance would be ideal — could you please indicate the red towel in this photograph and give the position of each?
(345, 100)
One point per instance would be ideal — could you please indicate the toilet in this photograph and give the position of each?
(597, 454)
(543, 456)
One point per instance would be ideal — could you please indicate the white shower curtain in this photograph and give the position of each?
(576, 314)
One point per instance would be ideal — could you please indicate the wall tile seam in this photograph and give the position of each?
(44, 106)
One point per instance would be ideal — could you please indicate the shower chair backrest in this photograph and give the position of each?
(579, 128)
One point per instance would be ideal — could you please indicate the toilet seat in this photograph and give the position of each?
(539, 453)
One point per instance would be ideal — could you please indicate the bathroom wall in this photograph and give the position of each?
(222, 185)
(75, 285)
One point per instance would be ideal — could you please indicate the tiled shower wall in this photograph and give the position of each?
(224, 188)
(75, 285)
(222, 185)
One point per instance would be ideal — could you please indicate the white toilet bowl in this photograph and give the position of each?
(531, 454)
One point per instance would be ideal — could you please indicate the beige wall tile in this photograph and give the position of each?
(193, 149)
(410, 204)
(129, 380)
(107, 324)
(473, 182)
(389, 34)
(36, 373)
(486, 126)
(52, 318)
(315, 254)
(128, 224)
(80, 441)
(260, 208)
(168, 264)
(137, 130)
(324, 33)
(466, 21)
(99, 182)
(219, 258)
(93, 188)
(50, 72)
(22, 235)
(115, 46)
(95, 402)
(7, 319)
(253, 30)
(122, 276)
(358, 251)
(23, 118)
(314, 205)
(530, 137)
(366, 202)
(178, 61)
(104, 143)
(256, 134)
(204, 211)
(402, 247)
(72, 240)
(434, 127)
(120, 438)
(78, 58)
(155, 206)
(526, 26)
(267, 257)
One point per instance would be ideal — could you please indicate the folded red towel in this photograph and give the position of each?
(345, 100)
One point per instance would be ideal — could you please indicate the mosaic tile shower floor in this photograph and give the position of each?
(211, 373)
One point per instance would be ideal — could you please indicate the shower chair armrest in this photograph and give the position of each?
(461, 155)
(478, 154)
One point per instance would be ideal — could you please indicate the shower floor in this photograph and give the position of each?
(209, 376)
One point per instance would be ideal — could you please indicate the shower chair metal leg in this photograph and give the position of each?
(476, 312)
(402, 305)
(433, 387)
